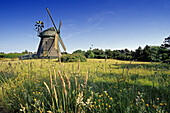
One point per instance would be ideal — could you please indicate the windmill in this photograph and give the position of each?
(50, 39)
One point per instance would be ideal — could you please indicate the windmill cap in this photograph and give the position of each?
(50, 32)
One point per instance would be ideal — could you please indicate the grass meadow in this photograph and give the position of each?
(97, 86)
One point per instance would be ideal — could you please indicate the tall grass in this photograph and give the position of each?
(92, 86)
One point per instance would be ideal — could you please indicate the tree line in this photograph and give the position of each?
(148, 53)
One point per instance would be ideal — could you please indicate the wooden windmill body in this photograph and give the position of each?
(49, 44)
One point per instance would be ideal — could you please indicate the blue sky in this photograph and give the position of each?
(107, 24)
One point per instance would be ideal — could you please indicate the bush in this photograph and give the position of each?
(99, 56)
(73, 58)
(89, 54)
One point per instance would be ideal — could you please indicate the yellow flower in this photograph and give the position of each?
(99, 100)
(110, 98)
(157, 98)
(96, 106)
(94, 102)
(106, 108)
(165, 104)
(142, 100)
(99, 106)
(39, 92)
(109, 106)
(102, 103)
(154, 106)
(33, 92)
(106, 104)
(106, 94)
(35, 99)
(147, 105)
(161, 104)
(99, 96)
(120, 90)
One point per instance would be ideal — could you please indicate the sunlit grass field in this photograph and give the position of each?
(98, 85)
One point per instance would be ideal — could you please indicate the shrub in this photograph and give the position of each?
(73, 58)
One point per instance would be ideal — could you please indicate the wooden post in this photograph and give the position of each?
(79, 65)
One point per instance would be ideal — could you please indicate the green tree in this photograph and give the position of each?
(147, 53)
(155, 56)
(109, 53)
(166, 43)
(89, 54)
(138, 55)
(78, 51)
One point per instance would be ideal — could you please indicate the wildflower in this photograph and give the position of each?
(110, 98)
(39, 92)
(99, 96)
(142, 100)
(120, 90)
(165, 104)
(161, 104)
(109, 106)
(99, 106)
(35, 99)
(102, 103)
(99, 100)
(147, 105)
(96, 106)
(33, 92)
(94, 102)
(157, 98)
(154, 106)
(106, 93)
(106, 104)
(106, 108)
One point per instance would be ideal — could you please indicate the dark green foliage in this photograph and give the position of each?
(11, 55)
(109, 53)
(78, 51)
(138, 55)
(73, 58)
(89, 54)
(147, 53)
(166, 42)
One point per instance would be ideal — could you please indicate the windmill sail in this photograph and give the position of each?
(57, 37)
